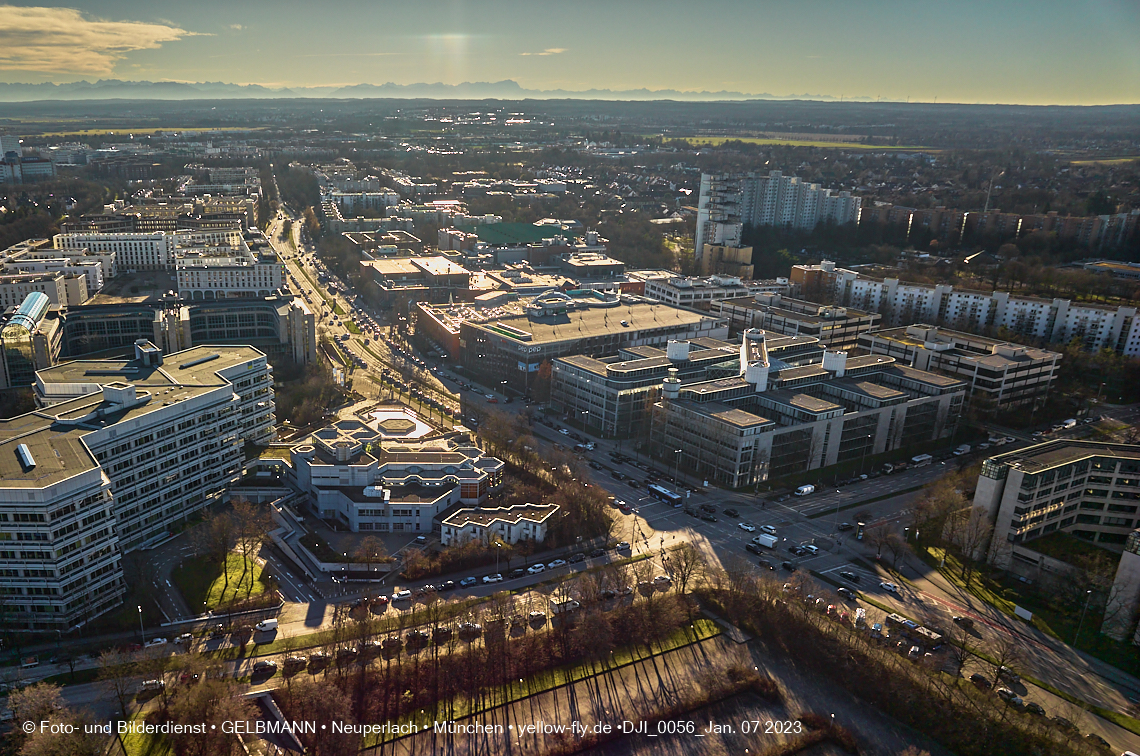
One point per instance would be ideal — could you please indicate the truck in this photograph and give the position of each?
(921, 460)
(961, 450)
(805, 490)
(765, 540)
(1070, 423)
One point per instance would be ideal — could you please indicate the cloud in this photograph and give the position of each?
(236, 27)
(62, 40)
(548, 51)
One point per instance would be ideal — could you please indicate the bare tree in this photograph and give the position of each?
(370, 550)
(686, 564)
(252, 523)
(215, 538)
(118, 675)
(970, 530)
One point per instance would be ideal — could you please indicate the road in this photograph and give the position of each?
(813, 519)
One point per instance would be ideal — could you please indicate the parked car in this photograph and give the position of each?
(517, 572)
(889, 587)
(813, 550)
(597, 553)
(964, 622)
(845, 526)
(155, 642)
(536, 569)
(556, 564)
(467, 582)
(623, 546)
(731, 513)
(981, 681)
(579, 557)
(1035, 708)
(766, 563)
(1005, 674)
(846, 593)
(663, 581)
(789, 566)
(264, 668)
(1009, 696)
(496, 578)
(754, 548)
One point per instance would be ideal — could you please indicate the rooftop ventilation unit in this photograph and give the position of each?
(27, 461)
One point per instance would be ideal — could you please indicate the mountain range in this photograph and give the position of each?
(116, 89)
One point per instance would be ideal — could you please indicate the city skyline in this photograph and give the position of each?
(1010, 52)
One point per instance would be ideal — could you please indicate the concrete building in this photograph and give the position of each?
(228, 273)
(1001, 374)
(15, 288)
(717, 259)
(122, 452)
(775, 419)
(614, 396)
(509, 343)
(728, 202)
(154, 250)
(352, 474)
(1050, 321)
(1088, 489)
(698, 293)
(1123, 603)
(281, 326)
(524, 522)
(411, 279)
(835, 327)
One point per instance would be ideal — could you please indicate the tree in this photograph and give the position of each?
(970, 530)
(686, 564)
(210, 702)
(118, 676)
(215, 538)
(370, 550)
(35, 703)
(252, 523)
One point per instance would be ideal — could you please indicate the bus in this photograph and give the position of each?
(664, 494)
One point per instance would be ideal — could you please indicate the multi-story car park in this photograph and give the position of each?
(120, 452)
(1001, 374)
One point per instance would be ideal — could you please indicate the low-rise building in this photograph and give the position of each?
(228, 272)
(30, 340)
(523, 522)
(351, 474)
(1001, 374)
(835, 327)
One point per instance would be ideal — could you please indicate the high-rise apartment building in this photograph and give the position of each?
(728, 202)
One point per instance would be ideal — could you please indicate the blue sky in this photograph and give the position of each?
(1011, 51)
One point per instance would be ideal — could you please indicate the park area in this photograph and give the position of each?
(242, 585)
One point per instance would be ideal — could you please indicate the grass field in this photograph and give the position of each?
(715, 141)
(1106, 161)
(148, 130)
(201, 581)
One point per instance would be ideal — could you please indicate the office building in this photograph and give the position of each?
(835, 327)
(1046, 321)
(613, 396)
(355, 473)
(728, 202)
(228, 272)
(120, 453)
(1002, 375)
(432, 279)
(151, 250)
(506, 344)
(15, 288)
(1088, 489)
(773, 419)
(726, 261)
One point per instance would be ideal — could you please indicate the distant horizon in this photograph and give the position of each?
(443, 92)
(1008, 52)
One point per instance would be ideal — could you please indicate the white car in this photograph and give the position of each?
(401, 595)
(155, 642)
(556, 564)
(890, 587)
(537, 568)
(564, 431)
(813, 550)
(496, 578)
(747, 526)
(662, 580)
(620, 504)
(768, 529)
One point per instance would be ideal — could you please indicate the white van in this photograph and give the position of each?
(266, 626)
(805, 490)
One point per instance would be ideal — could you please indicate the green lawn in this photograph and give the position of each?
(351, 327)
(203, 585)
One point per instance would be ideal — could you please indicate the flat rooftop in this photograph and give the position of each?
(513, 515)
(1063, 451)
(724, 413)
(584, 323)
(966, 345)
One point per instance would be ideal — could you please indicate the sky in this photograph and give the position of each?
(1007, 51)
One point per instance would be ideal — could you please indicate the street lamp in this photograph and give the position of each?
(1088, 597)
(142, 633)
(676, 465)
